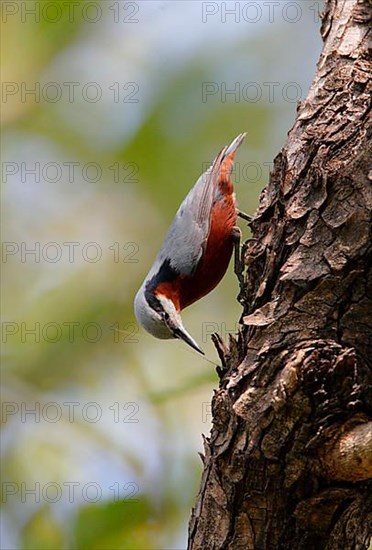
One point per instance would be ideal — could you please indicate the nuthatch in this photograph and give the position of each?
(196, 251)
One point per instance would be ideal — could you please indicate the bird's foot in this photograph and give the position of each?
(244, 216)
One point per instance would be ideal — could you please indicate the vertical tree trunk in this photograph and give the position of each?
(290, 452)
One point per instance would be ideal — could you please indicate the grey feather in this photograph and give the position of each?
(188, 233)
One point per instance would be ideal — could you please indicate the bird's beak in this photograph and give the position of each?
(181, 333)
(178, 330)
(174, 323)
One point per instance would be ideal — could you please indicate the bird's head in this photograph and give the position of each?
(158, 316)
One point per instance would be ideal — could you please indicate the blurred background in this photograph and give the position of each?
(110, 112)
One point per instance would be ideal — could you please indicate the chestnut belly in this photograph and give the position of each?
(208, 274)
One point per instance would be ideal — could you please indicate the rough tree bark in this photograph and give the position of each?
(289, 459)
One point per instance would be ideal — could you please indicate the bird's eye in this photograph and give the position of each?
(164, 315)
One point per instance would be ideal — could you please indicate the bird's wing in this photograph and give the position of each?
(188, 233)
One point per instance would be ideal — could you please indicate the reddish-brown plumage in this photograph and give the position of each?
(185, 290)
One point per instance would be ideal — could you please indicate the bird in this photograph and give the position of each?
(195, 253)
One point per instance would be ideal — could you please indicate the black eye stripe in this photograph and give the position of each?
(153, 301)
(165, 274)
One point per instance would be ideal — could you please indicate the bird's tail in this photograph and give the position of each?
(234, 145)
(227, 160)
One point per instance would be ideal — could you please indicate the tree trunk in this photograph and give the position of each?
(289, 457)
